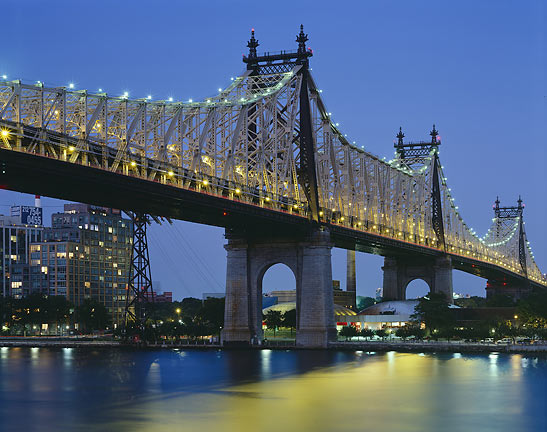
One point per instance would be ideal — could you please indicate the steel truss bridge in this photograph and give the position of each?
(262, 154)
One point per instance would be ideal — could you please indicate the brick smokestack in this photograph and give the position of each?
(351, 285)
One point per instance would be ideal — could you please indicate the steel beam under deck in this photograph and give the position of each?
(35, 174)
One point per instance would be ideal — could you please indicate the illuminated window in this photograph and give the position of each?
(44, 269)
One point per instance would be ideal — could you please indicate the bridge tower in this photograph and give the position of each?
(402, 269)
(251, 252)
(140, 292)
(504, 221)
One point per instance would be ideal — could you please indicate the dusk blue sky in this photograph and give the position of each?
(474, 68)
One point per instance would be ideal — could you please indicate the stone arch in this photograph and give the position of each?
(263, 271)
(309, 258)
(425, 280)
(262, 257)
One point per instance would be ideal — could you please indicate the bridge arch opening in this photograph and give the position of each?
(277, 277)
(416, 288)
(277, 284)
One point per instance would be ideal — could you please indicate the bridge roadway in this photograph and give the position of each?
(45, 175)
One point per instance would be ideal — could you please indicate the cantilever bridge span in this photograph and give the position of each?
(264, 160)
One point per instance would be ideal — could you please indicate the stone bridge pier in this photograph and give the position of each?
(249, 256)
(400, 271)
(508, 287)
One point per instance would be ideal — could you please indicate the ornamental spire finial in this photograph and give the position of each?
(434, 134)
(400, 136)
(252, 44)
(301, 39)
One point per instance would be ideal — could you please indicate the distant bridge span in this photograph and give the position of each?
(264, 160)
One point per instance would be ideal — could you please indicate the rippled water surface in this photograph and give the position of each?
(112, 389)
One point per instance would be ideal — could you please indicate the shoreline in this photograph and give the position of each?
(382, 346)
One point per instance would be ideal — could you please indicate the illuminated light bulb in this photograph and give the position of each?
(5, 133)
(170, 99)
(71, 148)
(219, 89)
(100, 90)
(205, 182)
(149, 97)
(190, 100)
(238, 191)
(125, 94)
(171, 173)
(71, 85)
(267, 199)
(4, 77)
(133, 163)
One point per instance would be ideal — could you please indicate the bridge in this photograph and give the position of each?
(264, 160)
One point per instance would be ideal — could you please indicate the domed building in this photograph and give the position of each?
(393, 313)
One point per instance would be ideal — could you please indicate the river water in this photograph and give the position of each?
(73, 389)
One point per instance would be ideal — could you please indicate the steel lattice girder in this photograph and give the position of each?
(244, 144)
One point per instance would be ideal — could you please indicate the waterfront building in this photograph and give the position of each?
(160, 297)
(342, 315)
(85, 254)
(284, 296)
(18, 230)
(379, 294)
(346, 299)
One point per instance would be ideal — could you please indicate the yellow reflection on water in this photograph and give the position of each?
(395, 392)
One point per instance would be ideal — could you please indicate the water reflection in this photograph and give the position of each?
(125, 390)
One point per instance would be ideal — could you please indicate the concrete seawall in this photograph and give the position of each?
(439, 347)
